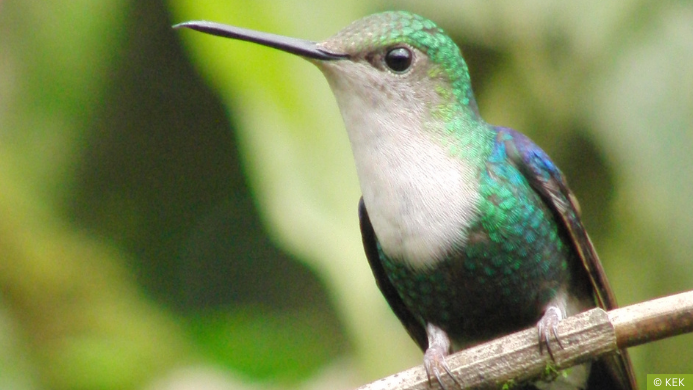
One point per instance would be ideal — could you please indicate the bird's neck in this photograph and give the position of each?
(419, 178)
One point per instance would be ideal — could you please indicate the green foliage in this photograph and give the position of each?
(283, 347)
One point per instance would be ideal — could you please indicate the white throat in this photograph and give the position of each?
(420, 200)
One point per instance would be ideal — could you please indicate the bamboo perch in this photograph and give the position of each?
(516, 357)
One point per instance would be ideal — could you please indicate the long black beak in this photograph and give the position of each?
(300, 47)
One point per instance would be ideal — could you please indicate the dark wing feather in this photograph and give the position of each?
(550, 183)
(370, 244)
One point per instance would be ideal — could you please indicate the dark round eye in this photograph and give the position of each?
(398, 59)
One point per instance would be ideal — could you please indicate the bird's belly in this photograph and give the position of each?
(498, 282)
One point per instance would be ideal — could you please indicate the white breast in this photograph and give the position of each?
(419, 199)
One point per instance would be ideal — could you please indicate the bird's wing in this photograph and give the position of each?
(549, 182)
(370, 244)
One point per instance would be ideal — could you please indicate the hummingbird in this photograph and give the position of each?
(470, 229)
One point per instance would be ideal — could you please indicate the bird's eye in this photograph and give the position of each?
(399, 59)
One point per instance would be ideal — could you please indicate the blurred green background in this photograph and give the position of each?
(178, 211)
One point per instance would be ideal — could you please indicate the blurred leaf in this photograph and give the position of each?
(56, 61)
(84, 324)
(273, 346)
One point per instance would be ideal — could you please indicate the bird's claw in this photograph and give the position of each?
(434, 362)
(547, 327)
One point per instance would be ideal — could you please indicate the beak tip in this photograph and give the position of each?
(180, 25)
(192, 24)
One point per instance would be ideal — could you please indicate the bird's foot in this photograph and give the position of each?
(434, 357)
(435, 364)
(547, 327)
